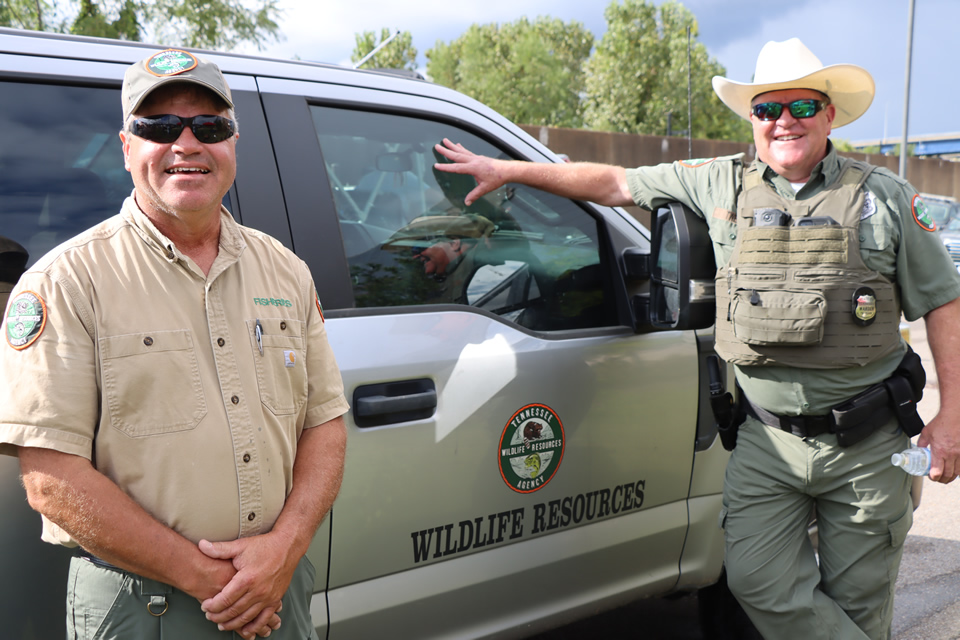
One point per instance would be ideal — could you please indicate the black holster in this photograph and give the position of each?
(726, 411)
(897, 396)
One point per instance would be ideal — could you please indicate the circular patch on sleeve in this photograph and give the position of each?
(921, 215)
(26, 318)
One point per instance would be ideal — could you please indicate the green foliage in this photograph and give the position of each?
(91, 22)
(638, 75)
(398, 54)
(209, 24)
(37, 15)
(531, 72)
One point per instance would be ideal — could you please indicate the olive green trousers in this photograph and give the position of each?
(843, 590)
(107, 603)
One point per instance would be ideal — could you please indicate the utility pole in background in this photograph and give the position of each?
(906, 96)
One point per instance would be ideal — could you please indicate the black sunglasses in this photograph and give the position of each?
(798, 109)
(167, 128)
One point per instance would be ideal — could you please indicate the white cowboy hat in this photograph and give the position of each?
(790, 65)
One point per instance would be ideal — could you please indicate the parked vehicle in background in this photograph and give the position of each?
(950, 234)
(942, 209)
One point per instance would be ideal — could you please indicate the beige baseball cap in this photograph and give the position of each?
(171, 65)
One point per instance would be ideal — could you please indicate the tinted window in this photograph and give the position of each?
(61, 164)
(523, 254)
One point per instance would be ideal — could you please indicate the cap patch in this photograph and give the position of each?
(920, 214)
(171, 62)
(26, 318)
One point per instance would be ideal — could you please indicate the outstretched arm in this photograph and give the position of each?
(265, 564)
(942, 434)
(600, 183)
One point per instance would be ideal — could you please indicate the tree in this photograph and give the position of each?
(531, 72)
(210, 24)
(398, 54)
(637, 77)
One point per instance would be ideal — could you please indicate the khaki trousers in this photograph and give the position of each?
(107, 604)
(863, 507)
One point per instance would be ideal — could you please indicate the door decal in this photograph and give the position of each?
(531, 448)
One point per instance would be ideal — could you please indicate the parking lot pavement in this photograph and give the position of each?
(927, 605)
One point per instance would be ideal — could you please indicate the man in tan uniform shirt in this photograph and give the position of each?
(170, 391)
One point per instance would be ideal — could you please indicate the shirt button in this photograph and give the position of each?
(171, 255)
(252, 516)
(733, 236)
(283, 325)
(246, 457)
(148, 341)
(863, 238)
(806, 405)
(221, 342)
(235, 400)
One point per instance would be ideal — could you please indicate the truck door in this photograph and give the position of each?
(515, 449)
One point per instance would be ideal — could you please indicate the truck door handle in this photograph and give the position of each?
(376, 405)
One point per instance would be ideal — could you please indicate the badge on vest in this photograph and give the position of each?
(869, 205)
(864, 306)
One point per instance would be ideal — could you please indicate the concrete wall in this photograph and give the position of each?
(628, 150)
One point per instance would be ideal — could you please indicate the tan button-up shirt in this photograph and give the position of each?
(188, 391)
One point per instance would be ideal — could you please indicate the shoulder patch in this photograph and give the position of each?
(920, 215)
(26, 318)
(320, 309)
(693, 164)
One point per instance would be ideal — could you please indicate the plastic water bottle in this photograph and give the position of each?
(915, 460)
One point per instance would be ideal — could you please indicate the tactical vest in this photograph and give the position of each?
(796, 291)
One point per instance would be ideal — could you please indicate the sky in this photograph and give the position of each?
(869, 33)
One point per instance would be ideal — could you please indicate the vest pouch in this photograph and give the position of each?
(779, 317)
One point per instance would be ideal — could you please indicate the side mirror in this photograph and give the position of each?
(682, 271)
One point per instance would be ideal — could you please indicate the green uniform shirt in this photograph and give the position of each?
(895, 240)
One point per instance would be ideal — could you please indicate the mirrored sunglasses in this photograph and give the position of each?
(798, 109)
(167, 128)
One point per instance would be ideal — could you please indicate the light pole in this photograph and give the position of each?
(906, 96)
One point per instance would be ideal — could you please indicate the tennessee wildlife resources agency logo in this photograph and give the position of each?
(25, 320)
(531, 448)
(171, 62)
(921, 215)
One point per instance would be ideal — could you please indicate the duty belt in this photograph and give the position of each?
(800, 426)
(858, 417)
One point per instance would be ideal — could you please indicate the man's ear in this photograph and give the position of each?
(125, 145)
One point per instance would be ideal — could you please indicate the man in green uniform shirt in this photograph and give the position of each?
(833, 337)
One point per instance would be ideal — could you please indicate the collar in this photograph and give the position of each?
(232, 243)
(825, 173)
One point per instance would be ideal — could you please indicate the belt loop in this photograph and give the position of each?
(158, 592)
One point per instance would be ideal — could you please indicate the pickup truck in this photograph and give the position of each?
(530, 439)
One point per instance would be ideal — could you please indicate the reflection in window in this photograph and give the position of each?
(61, 163)
(525, 255)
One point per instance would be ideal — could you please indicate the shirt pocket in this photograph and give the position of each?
(281, 366)
(723, 234)
(152, 383)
